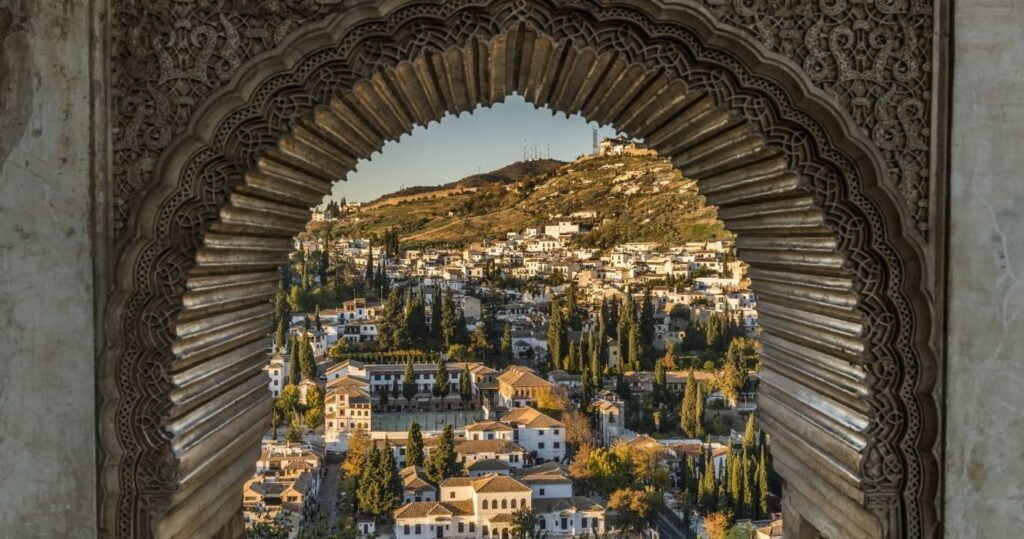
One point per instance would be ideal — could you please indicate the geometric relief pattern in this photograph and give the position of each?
(873, 56)
(850, 365)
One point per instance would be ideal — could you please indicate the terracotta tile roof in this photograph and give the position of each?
(503, 517)
(572, 503)
(424, 509)
(488, 425)
(531, 417)
(468, 447)
(499, 483)
(549, 472)
(460, 481)
(520, 377)
(488, 465)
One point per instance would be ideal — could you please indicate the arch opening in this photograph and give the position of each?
(782, 184)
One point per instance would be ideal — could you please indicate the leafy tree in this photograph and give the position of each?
(359, 446)
(408, 381)
(731, 381)
(339, 349)
(314, 418)
(441, 386)
(578, 430)
(634, 508)
(442, 462)
(288, 401)
(608, 469)
(466, 385)
(294, 434)
(716, 525)
(524, 524)
(552, 400)
(479, 344)
(459, 353)
(414, 446)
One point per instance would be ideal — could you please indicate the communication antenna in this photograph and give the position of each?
(594, 140)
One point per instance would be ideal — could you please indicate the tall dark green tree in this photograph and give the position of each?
(442, 462)
(749, 435)
(558, 337)
(449, 319)
(436, 334)
(506, 345)
(390, 328)
(408, 381)
(369, 267)
(307, 361)
(294, 369)
(572, 309)
(646, 323)
(762, 485)
(635, 348)
(466, 385)
(441, 388)
(414, 446)
(687, 406)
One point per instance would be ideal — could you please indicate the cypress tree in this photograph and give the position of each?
(442, 463)
(368, 490)
(441, 388)
(762, 485)
(749, 435)
(647, 322)
(383, 395)
(449, 319)
(414, 446)
(687, 407)
(572, 310)
(307, 361)
(316, 319)
(747, 492)
(395, 391)
(294, 370)
(391, 485)
(506, 345)
(555, 335)
(465, 385)
(392, 317)
(436, 335)
(408, 381)
(735, 481)
(634, 348)
(368, 278)
(698, 413)
(461, 334)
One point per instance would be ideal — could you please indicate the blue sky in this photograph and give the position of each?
(456, 147)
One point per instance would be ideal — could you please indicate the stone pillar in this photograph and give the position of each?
(984, 490)
(47, 399)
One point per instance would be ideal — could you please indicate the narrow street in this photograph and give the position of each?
(327, 496)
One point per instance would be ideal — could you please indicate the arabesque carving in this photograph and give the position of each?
(848, 375)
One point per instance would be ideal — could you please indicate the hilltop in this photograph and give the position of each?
(624, 198)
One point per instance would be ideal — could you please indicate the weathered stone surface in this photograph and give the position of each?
(985, 437)
(47, 398)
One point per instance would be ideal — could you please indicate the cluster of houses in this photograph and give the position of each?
(714, 283)
(285, 484)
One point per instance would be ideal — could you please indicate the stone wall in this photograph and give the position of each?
(984, 491)
(47, 427)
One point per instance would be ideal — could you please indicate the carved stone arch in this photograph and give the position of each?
(848, 381)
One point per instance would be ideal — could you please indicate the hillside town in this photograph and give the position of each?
(511, 386)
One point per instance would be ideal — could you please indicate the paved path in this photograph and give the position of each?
(327, 496)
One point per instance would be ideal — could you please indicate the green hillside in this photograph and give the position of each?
(634, 198)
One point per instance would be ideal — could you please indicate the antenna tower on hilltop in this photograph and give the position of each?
(594, 140)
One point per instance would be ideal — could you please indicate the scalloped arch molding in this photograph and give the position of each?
(849, 376)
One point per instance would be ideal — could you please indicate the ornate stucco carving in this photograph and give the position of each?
(873, 56)
(830, 255)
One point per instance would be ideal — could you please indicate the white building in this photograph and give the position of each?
(541, 435)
